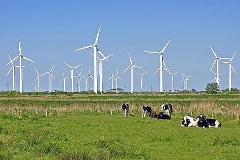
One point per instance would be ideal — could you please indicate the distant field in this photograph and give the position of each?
(81, 127)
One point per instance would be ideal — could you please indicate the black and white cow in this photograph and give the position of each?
(205, 122)
(168, 107)
(163, 115)
(125, 109)
(146, 109)
(188, 121)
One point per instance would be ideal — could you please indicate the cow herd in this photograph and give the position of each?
(166, 111)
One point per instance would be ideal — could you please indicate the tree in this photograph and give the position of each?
(212, 88)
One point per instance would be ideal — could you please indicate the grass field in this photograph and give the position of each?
(82, 128)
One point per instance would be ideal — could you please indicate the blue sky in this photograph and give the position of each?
(50, 31)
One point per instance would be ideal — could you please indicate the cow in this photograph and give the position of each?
(146, 109)
(163, 115)
(125, 109)
(188, 121)
(168, 107)
(205, 122)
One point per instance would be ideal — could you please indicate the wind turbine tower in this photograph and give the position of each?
(161, 63)
(131, 66)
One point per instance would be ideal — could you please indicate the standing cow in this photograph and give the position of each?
(146, 109)
(125, 109)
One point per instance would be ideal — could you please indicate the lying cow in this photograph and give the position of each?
(168, 107)
(125, 109)
(188, 121)
(163, 115)
(146, 109)
(207, 123)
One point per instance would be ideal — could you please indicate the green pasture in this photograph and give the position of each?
(80, 126)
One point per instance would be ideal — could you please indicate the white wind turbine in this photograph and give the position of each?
(38, 79)
(72, 68)
(100, 68)
(185, 81)
(13, 72)
(20, 56)
(111, 78)
(141, 79)
(64, 82)
(132, 66)
(217, 61)
(87, 80)
(50, 77)
(230, 71)
(172, 75)
(161, 63)
(115, 77)
(79, 76)
(95, 49)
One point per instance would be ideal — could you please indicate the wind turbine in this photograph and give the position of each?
(112, 78)
(64, 82)
(87, 80)
(161, 63)
(116, 77)
(185, 81)
(38, 80)
(79, 76)
(95, 49)
(216, 61)
(230, 71)
(132, 66)
(172, 75)
(13, 72)
(50, 76)
(20, 56)
(100, 68)
(141, 78)
(72, 68)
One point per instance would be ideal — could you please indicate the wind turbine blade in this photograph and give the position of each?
(130, 59)
(213, 52)
(51, 69)
(37, 72)
(165, 46)
(136, 66)
(101, 53)
(108, 57)
(164, 65)
(68, 65)
(19, 47)
(156, 71)
(10, 70)
(233, 69)
(232, 57)
(127, 69)
(139, 74)
(12, 60)
(77, 66)
(151, 52)
(213, 65)
(90, 46)
(28, 59)
(96, 41)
